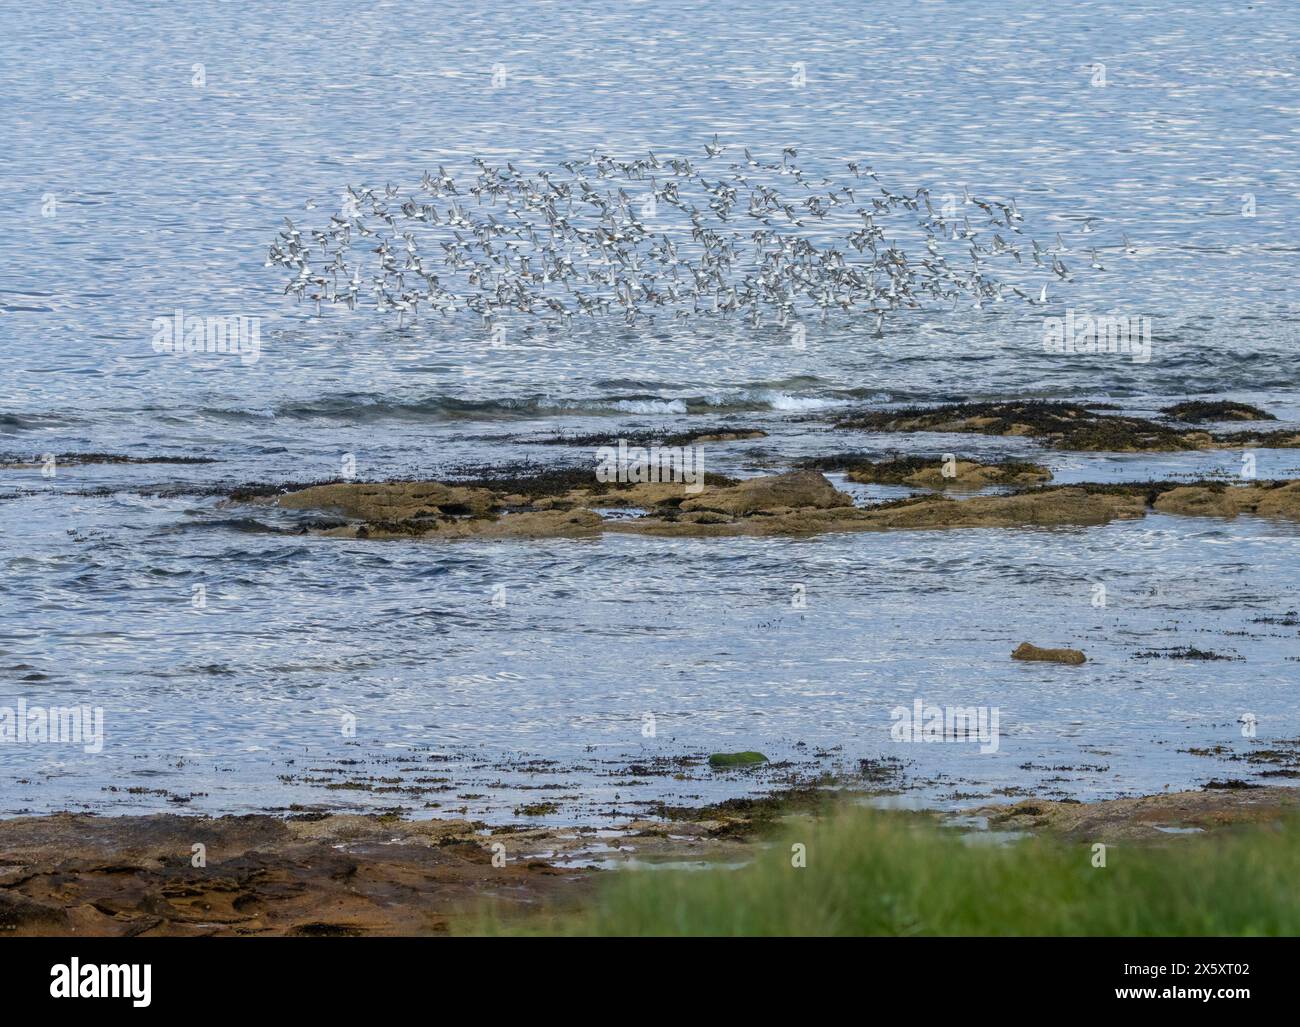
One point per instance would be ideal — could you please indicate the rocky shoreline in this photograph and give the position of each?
(350, 875)
(308, 871)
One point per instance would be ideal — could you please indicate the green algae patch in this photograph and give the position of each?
(723, 760)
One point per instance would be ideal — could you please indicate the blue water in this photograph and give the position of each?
(165, 195)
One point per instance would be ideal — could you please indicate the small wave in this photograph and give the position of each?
(646, 406)
(369, 408)
(237, 414)
(761, 398)
(33, 422)
(798, 403)
(240, 525)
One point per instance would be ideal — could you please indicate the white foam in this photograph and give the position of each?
(650, 406)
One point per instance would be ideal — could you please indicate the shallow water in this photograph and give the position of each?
(167, 194)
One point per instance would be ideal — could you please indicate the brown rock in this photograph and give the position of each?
(969, 475)
(1026, 651)
(1280, 502)
(646, 495)
(529, 524)
(1142, 819)
(1054, 506)
(1266, 500)
(797, 489)
(341, 875)
(797, 503)
(392, 501)
(1204, 501)
(19, 913)
(79, 875)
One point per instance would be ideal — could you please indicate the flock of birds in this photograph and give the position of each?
(657, 237)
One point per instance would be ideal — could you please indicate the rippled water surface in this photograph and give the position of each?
(166, 195)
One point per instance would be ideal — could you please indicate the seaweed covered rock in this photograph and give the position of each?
(1282, 438)
(1195, 411)
(1067, 426)
(1074, 427)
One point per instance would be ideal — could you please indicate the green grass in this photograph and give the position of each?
(879, 874)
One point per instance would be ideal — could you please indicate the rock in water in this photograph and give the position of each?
(1026, 651)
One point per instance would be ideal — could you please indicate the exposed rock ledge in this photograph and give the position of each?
(74, 874)
(797, 503)
(1151, 818)
(939, 474)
